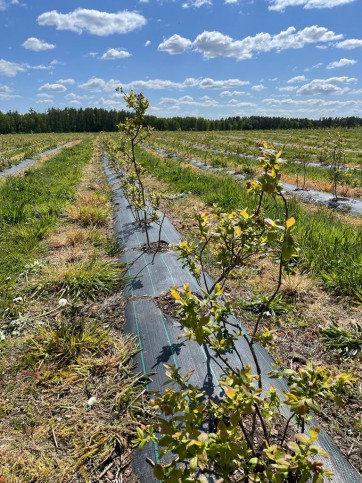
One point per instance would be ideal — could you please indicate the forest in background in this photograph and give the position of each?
(92, 119)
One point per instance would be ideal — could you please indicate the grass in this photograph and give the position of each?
(85, 279)
(30, 206)
(70, 401)
(90, 210)
(330, 249)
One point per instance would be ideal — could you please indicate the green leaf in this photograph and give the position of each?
(158, 471)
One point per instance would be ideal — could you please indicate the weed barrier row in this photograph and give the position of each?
(349, 205)
(153, 274)
(26, 162)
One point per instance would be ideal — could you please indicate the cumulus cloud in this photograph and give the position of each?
(175, 45)
(4, 4)
(93, 84)
(221, 84)
(6, 93)
(341, 63)
(147, 43)
(231, 93)
(216, 44)
(281, 5)
(287, 88)
(349, 44)
(52, 88)
(296, 79)
(309, 102)
(333, 85)
(113, 54)
(196, 3)
(66, 81)
(258, 87)
(93, 21)
(44, 96)
(32, 43)
(97, 84)
(73, 97)
(10, 69)
(171, 102)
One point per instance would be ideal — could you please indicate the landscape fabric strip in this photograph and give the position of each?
(353, 205)
(153, 274)
(17, 167)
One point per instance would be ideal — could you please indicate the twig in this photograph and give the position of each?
(55, 438)
(106, 469)
(150, 462)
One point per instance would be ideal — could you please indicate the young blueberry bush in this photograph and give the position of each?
(143, 202)
(250, 433)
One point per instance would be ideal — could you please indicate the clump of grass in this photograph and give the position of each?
(85, 279)
(77, 237)
(90, 210)
(67, 341)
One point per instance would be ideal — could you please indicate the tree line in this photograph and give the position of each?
(95, 119)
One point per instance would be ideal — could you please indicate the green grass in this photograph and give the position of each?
(30, 206)
(85, 279)
(330, 249)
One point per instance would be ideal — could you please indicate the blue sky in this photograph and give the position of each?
(212, 58)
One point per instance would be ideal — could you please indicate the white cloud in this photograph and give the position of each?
(4, 4)
(93, 21)
(175, 45)
(44, 96)
(52, 88)
(215, 44)
(231, 93)
(349, 44)
(196, 3)
(341, 63)
(170, 102)
(44, 101)
(74, 97)
(333, 85)
(147, 43)
(56, 62)
(75, 103)
(287, 89)
(93, 84)
(97, 84)
(310, 102)
(221, 84)
(296, 79)
(281, 5)
(6, 93)
(38, 67)
(258, 87)
(10, 69)
(66, 81)
(32, 43)
(115, 54)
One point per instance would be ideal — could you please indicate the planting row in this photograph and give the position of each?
(302, 172)
(330, 249)
(16, 147)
